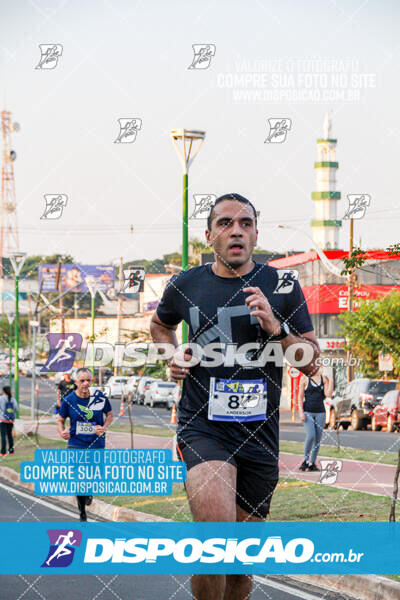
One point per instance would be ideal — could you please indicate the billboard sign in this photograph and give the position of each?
(334, 299)
(74, 275)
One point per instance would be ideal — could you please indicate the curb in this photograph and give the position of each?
(101, 509)
(365, 587)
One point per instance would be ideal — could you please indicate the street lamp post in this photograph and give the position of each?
(17, 261)
(10, 318)
(186, 138)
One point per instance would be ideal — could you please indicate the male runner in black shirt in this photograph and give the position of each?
(228, 432)
(65, 387)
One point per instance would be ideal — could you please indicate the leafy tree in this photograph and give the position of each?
(373, 328)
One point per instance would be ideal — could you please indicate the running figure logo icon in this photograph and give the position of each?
(358, 204)
(128, 129)
(330, 470)
(202, 205)
(286, 281)
(63, 347)
(55, 204)
(133, 280)
(203, 54)
(278, 129)
(50, 53)
(63, 543)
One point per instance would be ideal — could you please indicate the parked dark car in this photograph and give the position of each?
(355, 405)
(387, 413)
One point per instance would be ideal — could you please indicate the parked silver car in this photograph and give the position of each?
(161, 392)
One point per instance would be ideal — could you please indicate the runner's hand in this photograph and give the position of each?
(100, 429)
(178, 372)
(302, 416)
(261, 308)
(65, 434)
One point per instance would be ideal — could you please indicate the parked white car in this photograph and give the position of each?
(161, 392)
(131, 386)
(116, 384)
(103, 388)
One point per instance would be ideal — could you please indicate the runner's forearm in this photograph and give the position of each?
(109, 420)
(60, 425)
(162, 334)
(311, 368)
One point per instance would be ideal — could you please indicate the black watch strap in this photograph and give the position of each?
(284, 332)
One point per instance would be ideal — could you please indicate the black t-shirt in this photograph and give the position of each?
(66, 387)
(214, 307)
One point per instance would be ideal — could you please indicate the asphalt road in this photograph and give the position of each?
(369, 440)
(21, 506)
(160, 417)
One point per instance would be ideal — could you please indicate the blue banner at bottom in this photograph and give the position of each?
(158, 548)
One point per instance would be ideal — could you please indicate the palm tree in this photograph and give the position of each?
(197, 248)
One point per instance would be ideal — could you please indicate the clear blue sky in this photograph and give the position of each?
(130, 59)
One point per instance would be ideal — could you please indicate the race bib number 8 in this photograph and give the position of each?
(85, 428)
(240, 400)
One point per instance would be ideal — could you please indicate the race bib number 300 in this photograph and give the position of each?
(85, 428)
(240, 400)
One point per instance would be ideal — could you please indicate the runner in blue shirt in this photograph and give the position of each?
(87, 424)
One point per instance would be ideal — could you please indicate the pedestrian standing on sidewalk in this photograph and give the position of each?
(8, 411)
(312, 392)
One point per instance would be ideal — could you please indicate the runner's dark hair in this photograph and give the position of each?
(7, 391)
(232, 196)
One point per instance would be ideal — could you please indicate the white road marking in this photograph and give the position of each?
(60, 509)
(296, 592)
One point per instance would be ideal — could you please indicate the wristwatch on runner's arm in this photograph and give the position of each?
(284, 332)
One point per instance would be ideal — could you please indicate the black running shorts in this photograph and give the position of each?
(256, 481)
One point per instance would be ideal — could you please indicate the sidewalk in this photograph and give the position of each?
(359, 476)
(115, 439)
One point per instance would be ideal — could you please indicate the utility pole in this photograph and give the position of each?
(350, 289)
(9, 242)
(92, 287)
(75, 306)
(29, 318)
(10, 318)
(119, 307)
(59, 288)
(17, 260)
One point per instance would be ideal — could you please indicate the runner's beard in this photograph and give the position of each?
(234, 263)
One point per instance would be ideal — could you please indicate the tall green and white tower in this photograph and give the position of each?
(325, 225)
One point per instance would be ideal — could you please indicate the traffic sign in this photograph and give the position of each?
(385, 361)
(293, 372)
